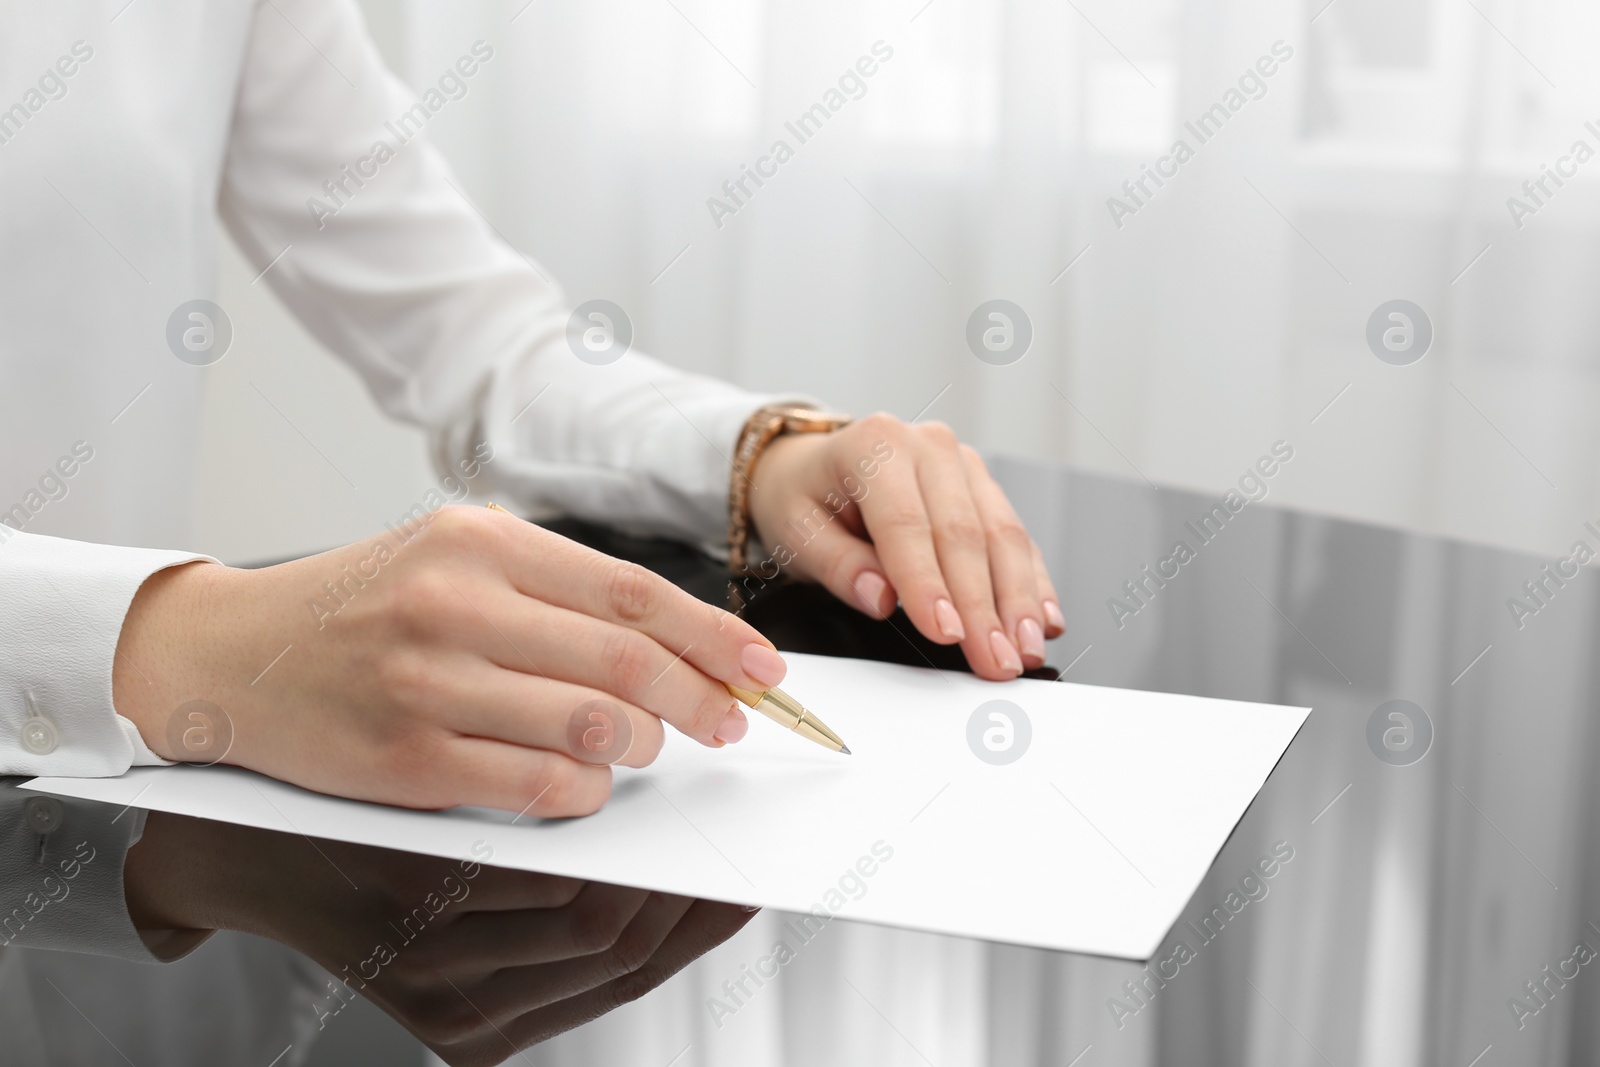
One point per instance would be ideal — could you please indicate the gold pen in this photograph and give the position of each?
(781, 708)
(786, 711)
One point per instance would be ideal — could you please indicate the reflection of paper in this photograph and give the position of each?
(1092, 841)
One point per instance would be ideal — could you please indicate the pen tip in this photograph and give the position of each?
(844, 750)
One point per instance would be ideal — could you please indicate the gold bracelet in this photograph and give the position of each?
(760, 429)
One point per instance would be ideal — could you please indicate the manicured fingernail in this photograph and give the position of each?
(763, 664)
(1053, 616)
(733, 727)
(944, 613)
(1005, 653)
(869, 587)
(1031, 638)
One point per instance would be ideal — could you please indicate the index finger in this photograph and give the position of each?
(559, 571)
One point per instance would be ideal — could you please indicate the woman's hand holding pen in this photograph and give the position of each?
(882, 512)
(446, 663)
(438, 669)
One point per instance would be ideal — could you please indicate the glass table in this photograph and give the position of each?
(1415, 884)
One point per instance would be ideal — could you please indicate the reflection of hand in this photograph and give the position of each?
(928, 526)
(478, 962)
(450, 670)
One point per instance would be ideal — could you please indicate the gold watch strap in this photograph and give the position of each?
(760, 429)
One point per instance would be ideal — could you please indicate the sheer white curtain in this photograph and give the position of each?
(1225, 309)
(1224, 313)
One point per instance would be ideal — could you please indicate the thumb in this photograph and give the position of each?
(848, 567)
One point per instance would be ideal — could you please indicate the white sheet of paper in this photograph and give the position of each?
(1092, 841)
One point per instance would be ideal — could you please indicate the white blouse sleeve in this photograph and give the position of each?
(330, 178)
(61, 869)
(61, 609)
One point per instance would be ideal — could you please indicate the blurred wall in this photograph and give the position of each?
(1175, 337)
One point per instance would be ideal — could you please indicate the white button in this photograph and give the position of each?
(44, 814)
(40, 736)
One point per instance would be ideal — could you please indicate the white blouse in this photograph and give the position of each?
(126, 131)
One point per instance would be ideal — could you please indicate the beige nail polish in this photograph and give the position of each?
(1005, 652)
(948, 619)
(733, 727)
(869, 586)
(1031, 638)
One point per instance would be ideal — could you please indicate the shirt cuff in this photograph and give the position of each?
(62, 604)
(61, 862)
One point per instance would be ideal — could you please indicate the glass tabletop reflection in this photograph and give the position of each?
(1416, 882)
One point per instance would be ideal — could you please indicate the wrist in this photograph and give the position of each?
(188, 876)
(156, 881)
(765, 428)
(166, 649)
(774, 478)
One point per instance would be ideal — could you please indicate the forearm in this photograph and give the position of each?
(635, 444)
